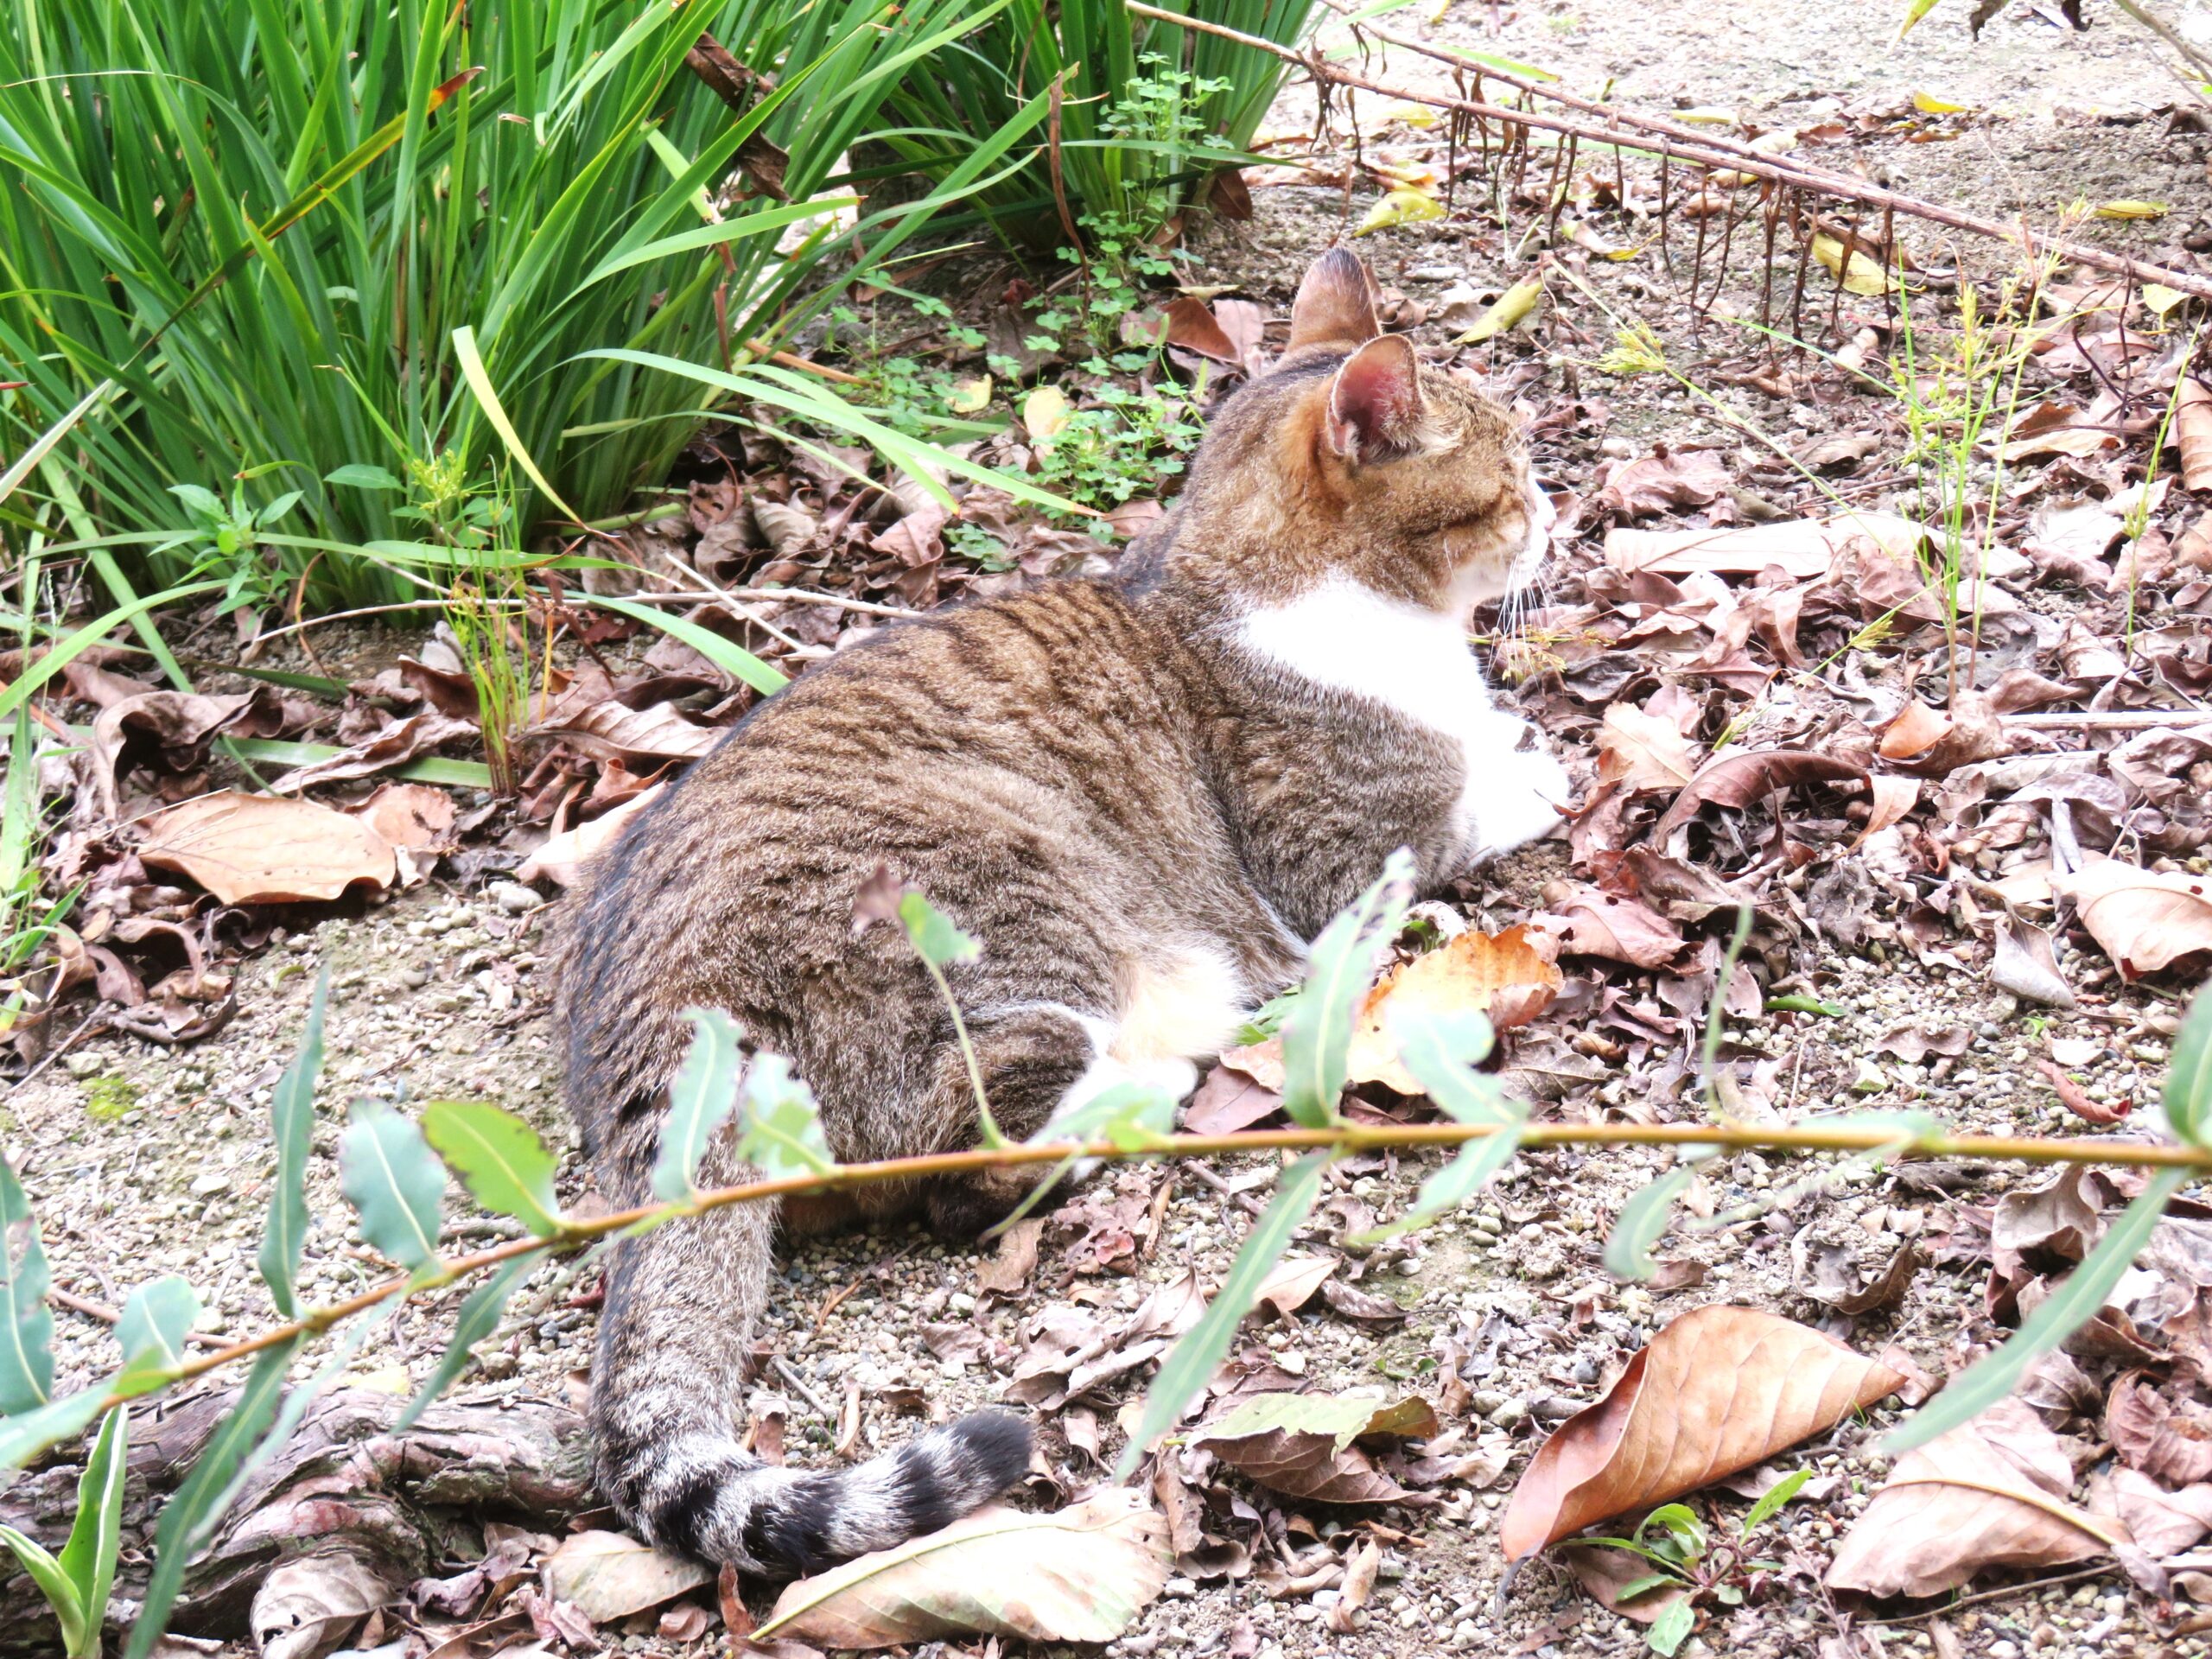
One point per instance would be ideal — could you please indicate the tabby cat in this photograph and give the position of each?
(1144, 796)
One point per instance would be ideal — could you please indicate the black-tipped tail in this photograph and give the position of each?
(776, 1522)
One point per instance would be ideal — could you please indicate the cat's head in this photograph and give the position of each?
(1352, 459)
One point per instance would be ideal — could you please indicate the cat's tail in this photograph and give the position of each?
(682, 1303)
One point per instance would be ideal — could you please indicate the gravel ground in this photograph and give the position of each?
(143, 1161)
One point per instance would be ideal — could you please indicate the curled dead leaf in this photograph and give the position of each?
(1738, 781)
(261, 849)
(1990, 1493)
(1079, 1575)
(1645, 751)
(1717, 1390)
(2145, 920)
(1301, 1445)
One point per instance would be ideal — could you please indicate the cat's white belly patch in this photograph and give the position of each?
(1182, 1002)
(1348, 637)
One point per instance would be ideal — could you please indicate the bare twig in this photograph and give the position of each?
(1662, 139)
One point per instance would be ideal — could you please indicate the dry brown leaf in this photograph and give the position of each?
(1262, 1062)
(1800, 548)
(1922, 739)
(2161, 1522)
(399, 743)
(1300, 1445)
(1738, 781)
(2145, 920)
(259, 849)
(176, 726)
(1508, 976)
(1080, 1575)
(413, 815)
(2193, 435)
(1606, 1573)
(1190, 323)
(1990, 1493)
(1228, 1101)
(1645, 751)
(562, 856)
(2171, 1440)
(1594, 922)
(1292, 1282)
(1686, 478)
(2075, 1099)
(1359, 1584)
(611, 1575)
(1717, 1390)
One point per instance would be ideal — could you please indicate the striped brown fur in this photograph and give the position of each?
(1131, 793)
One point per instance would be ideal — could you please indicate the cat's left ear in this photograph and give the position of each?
(1375, 402)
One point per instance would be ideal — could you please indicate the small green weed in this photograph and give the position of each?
(1687, 1561)
(1122, 447)
(107, 1098)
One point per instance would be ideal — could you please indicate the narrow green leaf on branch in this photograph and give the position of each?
(291, 1117)
(152, 1329)
(478, 1319)
(1643, 1221)
(1441, 1051)
(389, 1173)
(500, 1158)
(781, 1126)
(1317, 1032)
(27, 1352)
(937, 938)
(1190, 1362)
(2188, 1096)
(701, 1098)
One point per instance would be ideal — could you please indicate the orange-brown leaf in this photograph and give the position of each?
(1717, 1390)
(261, 849)
(2193, 435)
(1509, 976)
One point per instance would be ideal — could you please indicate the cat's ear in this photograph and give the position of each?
(1335, 304)
(1374, 403)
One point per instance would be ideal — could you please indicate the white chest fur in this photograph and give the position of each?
(1347, 638)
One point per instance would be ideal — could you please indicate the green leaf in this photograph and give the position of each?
(1190, 1362)
(936, 939)
(152, 1331)
(1771, 1505)
(291, 1119)
(88, 1558)
(1441, 1052)
(23, 1436)
(1672, 1628)
(1680, 1522)
(1643, 1223)
(780, 1128)
(361, 475)
(1646, 1585)
(733, 660)
(500, 1159)
(190, 1517)
(2188, 1097)
(702, 1097)
(2065, 1311)
(27, 1352)
(1317, 1032)
(478, 1319)
(54, 1584)
(465, 353)
(389, 1173)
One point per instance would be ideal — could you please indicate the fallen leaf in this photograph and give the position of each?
(2130, 209)
(1825, 1273)
(1508, 976)
(1511, 308)
(1228, 1100)
(2075, 1099)
(1080, 1575)
(1045, 412)
(2026, 963)
(413, 815)
(1738, 781)
(399, 743)
(1717, 1390)
(611, 1575)
(1262, 1062)
(1291, 1283)
(1300, 1445)
(1359, 1583)
(1007, 1272)
(310, 1603)
(1801, 548)
(1656, 483)
(2169, 1440)
(1861, 275)
(1606, 1573)
(1597, 923)
(1191, 324)
(2145, 920)
(258, 849)
(560, 857)
(2193, 435)
(176, 726)
(1990, 1493)
(1645, 751)
(2161, 1522)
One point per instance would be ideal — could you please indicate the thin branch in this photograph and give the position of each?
(1636, 133)
(1346, 1138)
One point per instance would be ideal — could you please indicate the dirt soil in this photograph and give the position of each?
(142, 1160)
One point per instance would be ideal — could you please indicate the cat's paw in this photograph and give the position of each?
(1523, 801)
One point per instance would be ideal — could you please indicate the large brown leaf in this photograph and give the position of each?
(1081, 1575)
(1717, 1390)
(1990, 1493)
(1739, 779)
(260, 849)
(2145, 920)
(1301, 1443)
(611, 1575)
(1643, 751)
